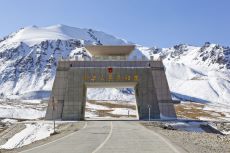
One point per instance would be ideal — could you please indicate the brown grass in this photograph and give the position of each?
(195, 111)
(107, 113)
(104, 113)
(112, 105)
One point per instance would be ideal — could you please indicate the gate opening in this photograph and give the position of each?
(111, 104)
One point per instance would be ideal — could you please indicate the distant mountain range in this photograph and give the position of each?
(28, 60)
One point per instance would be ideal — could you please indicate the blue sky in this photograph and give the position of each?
(161, 23)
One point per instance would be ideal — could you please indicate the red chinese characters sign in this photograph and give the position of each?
(110, 70)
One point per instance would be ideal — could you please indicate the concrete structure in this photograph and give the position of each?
(110, 68)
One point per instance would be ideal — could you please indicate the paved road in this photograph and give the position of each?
(110, 137)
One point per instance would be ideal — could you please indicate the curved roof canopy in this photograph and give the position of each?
(107, 50)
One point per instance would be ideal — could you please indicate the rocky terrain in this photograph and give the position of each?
(193, 141)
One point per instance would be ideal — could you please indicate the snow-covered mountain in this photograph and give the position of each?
(28, 59)
(198, 73)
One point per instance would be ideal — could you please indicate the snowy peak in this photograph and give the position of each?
(28, 57)
(215, 54)
(211, 56)
(34, 35)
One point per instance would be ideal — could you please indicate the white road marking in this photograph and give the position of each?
(175, 150)
(107, 138)
(54, 140)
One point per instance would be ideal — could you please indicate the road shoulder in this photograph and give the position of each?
(63, 130)
(198, 142)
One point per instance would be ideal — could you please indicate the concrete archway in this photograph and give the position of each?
(73, 77)
(69, 89)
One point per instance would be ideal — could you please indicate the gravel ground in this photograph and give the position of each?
(194, 142)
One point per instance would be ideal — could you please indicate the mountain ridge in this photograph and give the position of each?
(28, 59)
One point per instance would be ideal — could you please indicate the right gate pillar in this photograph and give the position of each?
(164, 98)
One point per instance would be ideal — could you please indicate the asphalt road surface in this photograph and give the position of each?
(109, 137)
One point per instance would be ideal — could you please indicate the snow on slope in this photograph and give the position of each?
(28, 59)
(32, 133)
(111, 94)
(35, 35)
(22, 110)
(205, 86)
(195, 77)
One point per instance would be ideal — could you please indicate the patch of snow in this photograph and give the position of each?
(21, 111)
(205, 118)
(123, 111)
(90, 114)
(32, 101)
(183, 126)
(225, 131)
(9, 121)
(219, 107)
(31, 133)
(96, 107)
